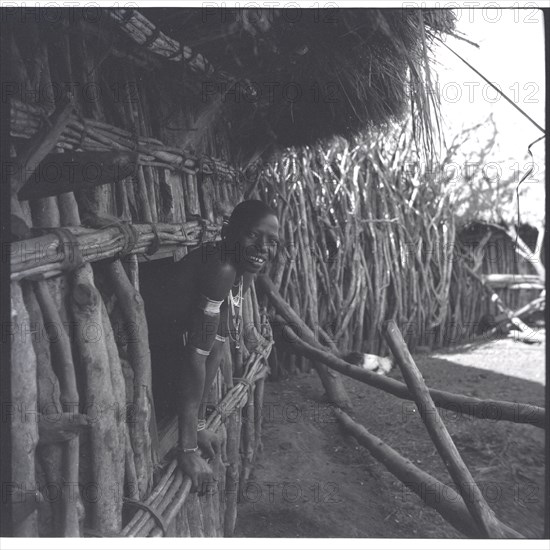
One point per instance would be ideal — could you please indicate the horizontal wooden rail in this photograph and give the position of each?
(507, 279)
(26, 121)
(171, 492)
(51, 254)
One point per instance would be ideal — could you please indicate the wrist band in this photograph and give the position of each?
(201, 425)
(182, 450)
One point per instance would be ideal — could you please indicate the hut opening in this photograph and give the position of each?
(164, 133)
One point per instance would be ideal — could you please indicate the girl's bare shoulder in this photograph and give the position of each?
(216, 274)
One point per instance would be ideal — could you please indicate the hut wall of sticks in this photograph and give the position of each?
(88, 96)
(132, 135)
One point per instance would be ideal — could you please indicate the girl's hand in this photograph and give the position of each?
(198, 471)
(209, 443)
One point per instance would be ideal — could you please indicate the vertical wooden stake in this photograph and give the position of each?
(24, 426)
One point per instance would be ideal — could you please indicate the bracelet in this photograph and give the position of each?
(182, 450)
(201, 425)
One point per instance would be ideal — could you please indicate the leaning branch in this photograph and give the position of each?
(520, 413)
(442, 498)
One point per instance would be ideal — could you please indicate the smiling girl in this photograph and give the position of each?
(201, 296)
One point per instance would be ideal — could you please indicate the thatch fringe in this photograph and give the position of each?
(308, 74)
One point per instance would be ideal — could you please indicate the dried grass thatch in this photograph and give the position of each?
(302, 75)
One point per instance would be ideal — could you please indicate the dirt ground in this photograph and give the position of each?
(313, 481)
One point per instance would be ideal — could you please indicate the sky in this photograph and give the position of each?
(511, 55)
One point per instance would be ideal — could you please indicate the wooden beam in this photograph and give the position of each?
(506, 279)
(442, 498)
(514, 321)
(40, 145)
(484, 516)
(71, 171)
(480, 408)
(45, 255)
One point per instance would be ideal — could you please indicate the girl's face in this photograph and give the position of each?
(258, 244)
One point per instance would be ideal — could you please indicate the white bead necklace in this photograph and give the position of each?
(236, 302)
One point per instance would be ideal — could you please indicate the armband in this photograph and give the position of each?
(208, 306)
(220, 338)
(200, 351)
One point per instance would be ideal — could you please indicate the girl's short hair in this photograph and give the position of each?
(245, 215)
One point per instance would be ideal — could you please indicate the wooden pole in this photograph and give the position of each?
(248, 442)
(24, 427)
(42, 143)
(194, 516)
(49, 455)
(60, 173)
(485, 518)
(137, 338)
(233, 425)
(62, 361)
(480, 408)
(99, 402)
(258, 415)
(332, 383)
(435, 494)
(119, 399)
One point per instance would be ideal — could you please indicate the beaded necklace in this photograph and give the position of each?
(236, 302)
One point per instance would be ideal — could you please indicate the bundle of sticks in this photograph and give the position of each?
(91, 134)
(46, 256)
(171, 492)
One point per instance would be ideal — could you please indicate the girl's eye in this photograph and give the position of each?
(252, 234)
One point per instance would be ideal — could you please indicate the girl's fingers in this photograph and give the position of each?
(210, 451)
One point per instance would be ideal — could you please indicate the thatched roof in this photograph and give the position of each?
(303, 75)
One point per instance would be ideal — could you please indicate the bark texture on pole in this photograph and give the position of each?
(336, 393)
(100, 403)
(442, 498)
(488, 524)
(522, 413)
(137, 339)
(24, 425)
